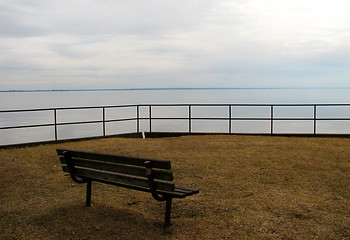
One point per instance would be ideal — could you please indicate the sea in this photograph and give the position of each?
(20, 100)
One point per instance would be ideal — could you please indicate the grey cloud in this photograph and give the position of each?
(94, 17)
(68, 51)
(13, 23)
(11, 28)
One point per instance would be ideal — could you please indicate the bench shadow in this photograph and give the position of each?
(97, 222)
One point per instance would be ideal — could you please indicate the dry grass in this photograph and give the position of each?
(251, 187)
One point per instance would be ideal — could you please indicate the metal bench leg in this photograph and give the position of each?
(88, 193)
(167, 212)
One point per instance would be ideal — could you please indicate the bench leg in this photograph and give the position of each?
(167, 212)
(88, 193)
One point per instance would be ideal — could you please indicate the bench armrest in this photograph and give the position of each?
(152, 187)
(71, 168)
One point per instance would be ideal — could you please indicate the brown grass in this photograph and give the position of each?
(251, 187)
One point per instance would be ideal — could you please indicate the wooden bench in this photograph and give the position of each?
(147, 175)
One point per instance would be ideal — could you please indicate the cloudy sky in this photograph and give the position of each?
(70, 44)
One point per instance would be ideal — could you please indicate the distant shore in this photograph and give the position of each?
(160, 89)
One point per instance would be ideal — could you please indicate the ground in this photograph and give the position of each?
(251, 187)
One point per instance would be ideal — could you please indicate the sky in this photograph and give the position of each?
(99, 44)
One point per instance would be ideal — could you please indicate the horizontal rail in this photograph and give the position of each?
(65, 108)
(176, 105)
(28, 126)
(172, 118)
(67, 123)
(242, 105)
(148, 110)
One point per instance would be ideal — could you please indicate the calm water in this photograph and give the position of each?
(32, 100)
(24, 100)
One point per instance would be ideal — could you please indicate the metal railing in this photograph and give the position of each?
(230, 118)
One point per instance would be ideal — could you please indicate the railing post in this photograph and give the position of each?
(138, 118)
(104, 121)
(271, 116)
(230, 119)
(315, 118)
(189, 119)
(55, 119)
(150, 118)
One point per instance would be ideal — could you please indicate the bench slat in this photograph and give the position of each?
(186, 191)
(161, 164)
(146, 189)
(120, 168)
(121, 178)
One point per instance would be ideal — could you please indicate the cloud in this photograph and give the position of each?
(253, 43)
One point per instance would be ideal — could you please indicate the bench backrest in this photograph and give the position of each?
(129, 172)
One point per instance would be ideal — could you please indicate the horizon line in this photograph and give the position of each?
(160, 89)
